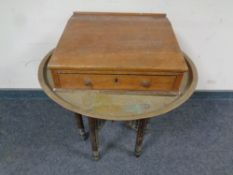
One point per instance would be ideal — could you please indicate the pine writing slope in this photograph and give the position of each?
(118, 51)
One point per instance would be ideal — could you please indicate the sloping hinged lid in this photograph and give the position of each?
(118, 42)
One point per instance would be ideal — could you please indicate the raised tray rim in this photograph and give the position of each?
(184, 96)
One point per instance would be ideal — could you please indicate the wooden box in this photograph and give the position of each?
(118, 51)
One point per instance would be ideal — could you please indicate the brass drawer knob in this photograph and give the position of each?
(145, 83)
(87, 82)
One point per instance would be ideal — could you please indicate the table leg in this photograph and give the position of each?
(93, 125)
(140, 133)
(82, 132)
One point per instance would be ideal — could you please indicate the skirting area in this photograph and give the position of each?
(39, 137)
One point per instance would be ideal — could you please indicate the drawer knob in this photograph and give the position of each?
(116, 80)
(145, 83)
(87, 82)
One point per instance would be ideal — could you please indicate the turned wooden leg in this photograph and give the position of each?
(82, 132)
(140, 133)
(94, 137)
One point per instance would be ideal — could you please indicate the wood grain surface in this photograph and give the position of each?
(118, 42)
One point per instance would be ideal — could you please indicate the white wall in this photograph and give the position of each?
(30, 28)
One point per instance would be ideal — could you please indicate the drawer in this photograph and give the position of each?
(117, 82)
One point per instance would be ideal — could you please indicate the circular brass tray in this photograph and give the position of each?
(117, 106)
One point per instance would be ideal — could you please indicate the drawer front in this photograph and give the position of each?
(116, 82)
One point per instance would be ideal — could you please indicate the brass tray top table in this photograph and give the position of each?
(116, 106)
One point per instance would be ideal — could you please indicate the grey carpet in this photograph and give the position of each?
(41, 138)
